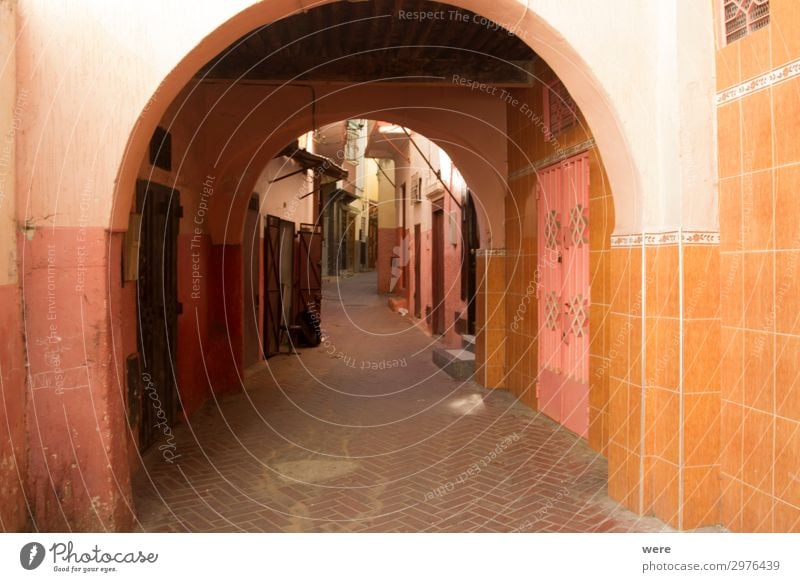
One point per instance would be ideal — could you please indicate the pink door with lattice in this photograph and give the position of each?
(563, 213)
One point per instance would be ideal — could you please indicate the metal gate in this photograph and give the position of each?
(272, 286)
(563, 215)
(158, 307)
(308, 275)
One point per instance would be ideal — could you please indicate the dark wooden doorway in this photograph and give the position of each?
(417, 271)
(308, 281)
(437, 273)
(252, 246)
(278, 275)
(286, 253)
(470, 243)
(157, 299)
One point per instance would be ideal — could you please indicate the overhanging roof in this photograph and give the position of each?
(311, 161)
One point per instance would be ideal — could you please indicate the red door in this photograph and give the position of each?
(563, 214)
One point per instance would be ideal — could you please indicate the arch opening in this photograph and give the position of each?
(249, 118)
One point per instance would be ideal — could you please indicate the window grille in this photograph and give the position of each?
(559, 109)
(743, 17)
(416, 188)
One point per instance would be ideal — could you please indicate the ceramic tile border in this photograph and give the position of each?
(491, 252)
(687, 237)
(561, 154)
(784, 73)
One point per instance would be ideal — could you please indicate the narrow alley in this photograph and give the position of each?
(365, 433)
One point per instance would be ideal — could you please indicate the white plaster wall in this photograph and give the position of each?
(283, 198)
(387, 215)
(652, 64)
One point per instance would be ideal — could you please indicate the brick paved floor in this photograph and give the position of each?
(340, 442)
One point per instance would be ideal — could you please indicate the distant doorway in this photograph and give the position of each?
(417, 271)
(437, 273)
(252, 247)
(278, 276)
(157, 297)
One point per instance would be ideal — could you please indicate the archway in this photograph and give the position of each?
(239, 115)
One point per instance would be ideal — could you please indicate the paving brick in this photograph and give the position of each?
(386, 450)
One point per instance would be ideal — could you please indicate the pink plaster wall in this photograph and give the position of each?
(224, 354)
(13, 438)
(387, 240)
(471, 129)
(77, 476)
(408, 163)
(193, 323)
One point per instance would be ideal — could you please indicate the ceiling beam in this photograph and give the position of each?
(373, 67)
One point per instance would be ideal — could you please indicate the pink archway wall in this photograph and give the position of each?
(244, 131)
(79, 158)
(230, 133)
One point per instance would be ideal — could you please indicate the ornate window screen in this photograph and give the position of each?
(560, 108)
(578, 225)
(743, 17)
(551, 311)
(551, 229)
(578, 315)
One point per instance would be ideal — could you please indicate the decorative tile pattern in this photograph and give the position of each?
(775, 76)
(557, 156)
(687, 237)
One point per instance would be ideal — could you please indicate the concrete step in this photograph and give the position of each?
(458, 363)
(468, 342)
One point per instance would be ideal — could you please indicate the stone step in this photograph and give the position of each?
(457, 363)
(468, 342)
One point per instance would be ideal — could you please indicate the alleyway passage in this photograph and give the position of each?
(372, 437)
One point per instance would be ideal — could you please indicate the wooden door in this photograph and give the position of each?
(308, 272)
(157, 300)
(286, 271)
(417, 271)
(252, 247)
(469, 246)
(437, 273)
(563, 214)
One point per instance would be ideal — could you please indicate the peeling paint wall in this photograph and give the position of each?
(13, 462)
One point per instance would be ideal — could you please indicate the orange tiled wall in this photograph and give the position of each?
(625, 377)
(664, 399)
(490, 318)
(759, 170)
(528, 148)
(682, 387)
